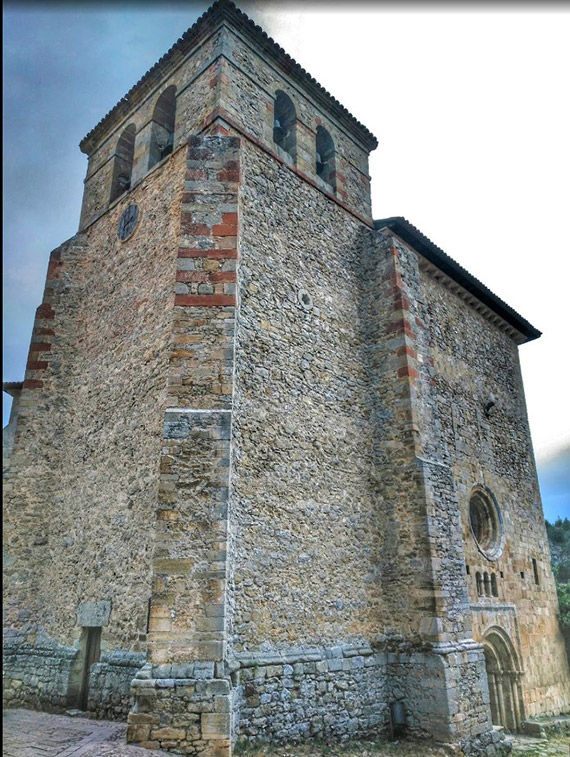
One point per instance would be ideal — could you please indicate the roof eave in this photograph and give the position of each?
(437, 257)
(12, 388)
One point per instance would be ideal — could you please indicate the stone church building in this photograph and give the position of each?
(269, 473)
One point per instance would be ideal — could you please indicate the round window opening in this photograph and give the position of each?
(304, 299)
(486, 523)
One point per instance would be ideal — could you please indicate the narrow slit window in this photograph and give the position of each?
(494, 587)
(123, 165)
(535, 571)
(162, 127)
(325, 157)
(284, 122)
(479, 584)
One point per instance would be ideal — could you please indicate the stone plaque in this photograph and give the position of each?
(93, 614)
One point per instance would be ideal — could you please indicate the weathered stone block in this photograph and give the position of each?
(215, 725)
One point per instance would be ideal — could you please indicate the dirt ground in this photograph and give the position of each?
(39, 734)
(555, 746)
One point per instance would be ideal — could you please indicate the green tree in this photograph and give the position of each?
(559, 538)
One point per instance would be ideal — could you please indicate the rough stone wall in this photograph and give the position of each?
(305, 565)
(184, 708)
(30, 488)
(36, 675)
(9, 431)
(330, 693)
(396, 475)
(301, 450)
(321, 348)
(83, 479)
(225, 75)
(496, 451)
(458, 708)
(432, 661)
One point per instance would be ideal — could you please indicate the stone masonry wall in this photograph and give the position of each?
(83, 480)
(36, 675)
(225, 75)
(249, 83)
(433, 663)
(247, 439)
(301, 449)
(330, 693)
(495, 451)
(409, 609)
(300, 484)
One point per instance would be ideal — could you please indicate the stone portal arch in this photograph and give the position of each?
(503, 675)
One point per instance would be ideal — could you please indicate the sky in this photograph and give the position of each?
(469, 104)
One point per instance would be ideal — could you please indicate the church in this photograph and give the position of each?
(269, 475)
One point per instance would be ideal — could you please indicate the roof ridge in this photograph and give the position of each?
(221, 8)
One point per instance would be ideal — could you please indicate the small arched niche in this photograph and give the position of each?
(162, 128)
(284, 123)
(123, 162)
(325, 157)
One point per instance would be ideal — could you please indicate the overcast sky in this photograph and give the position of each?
(469, 103)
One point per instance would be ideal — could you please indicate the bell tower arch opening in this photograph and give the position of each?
(503, 676)
(163, 123)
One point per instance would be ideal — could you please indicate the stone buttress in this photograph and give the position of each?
(434, 668)
(182, 695)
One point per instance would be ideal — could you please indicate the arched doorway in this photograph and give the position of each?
(503, 676)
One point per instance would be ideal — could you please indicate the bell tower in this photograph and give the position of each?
(238, 500)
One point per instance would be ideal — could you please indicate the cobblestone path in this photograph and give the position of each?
(39, 734)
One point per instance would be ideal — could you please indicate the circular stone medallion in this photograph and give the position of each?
(127, 222)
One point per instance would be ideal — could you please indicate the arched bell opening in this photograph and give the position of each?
(325, 157)
(504, 680)
(123, 162)
(162, 130)
(284, 123)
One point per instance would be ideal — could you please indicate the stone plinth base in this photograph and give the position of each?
(332, 693)
(186, 710)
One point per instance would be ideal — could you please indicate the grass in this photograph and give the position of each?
(365, 748)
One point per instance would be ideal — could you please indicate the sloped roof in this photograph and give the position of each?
(435, 255)
(12, 387)
(224, 10)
